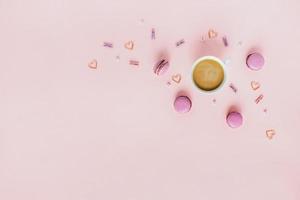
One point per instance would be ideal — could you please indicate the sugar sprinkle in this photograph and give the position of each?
(270, 133)
(134, 62)
(259, 98)
(108, 44)
(234, 89)
(129, 45)
(225, 41)
(176, 78)
(180, 42)
(153, 34)
(93, 64)
(255, 85)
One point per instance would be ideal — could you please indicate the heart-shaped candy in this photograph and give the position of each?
(212, 33)
(93, 64)
(270, 133)
(176, 78)
(255, 85)
(129, 45)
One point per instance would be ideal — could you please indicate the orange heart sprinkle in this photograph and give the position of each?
(93, 64)
(270, 133)
(255, 85)
(129, 45)
(176, 78)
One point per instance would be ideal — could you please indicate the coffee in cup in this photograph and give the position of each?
(208, 73)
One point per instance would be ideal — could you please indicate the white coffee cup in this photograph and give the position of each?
(220, 64)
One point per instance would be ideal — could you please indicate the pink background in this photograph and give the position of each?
(68, 132)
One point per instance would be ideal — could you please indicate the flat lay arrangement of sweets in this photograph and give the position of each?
(208, 75)
(149, 100)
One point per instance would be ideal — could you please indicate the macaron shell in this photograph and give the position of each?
(182, 104)
(161, 67)
(162, 70)
(234, 119)
(255, 61)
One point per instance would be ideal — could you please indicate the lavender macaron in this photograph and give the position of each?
(161, 67)
(255, 61)
(234, 119)
(182, 104)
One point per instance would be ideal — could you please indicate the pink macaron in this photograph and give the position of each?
(234, 119)
(255, 61)
(161, 67)
(182, 104)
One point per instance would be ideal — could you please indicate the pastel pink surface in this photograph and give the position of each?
(68, 132)
(182, 104)
(234, 119)
(255, 61)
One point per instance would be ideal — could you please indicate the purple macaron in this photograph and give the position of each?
(161, 67)
(255, 61)
(182, 104)
(234, 119)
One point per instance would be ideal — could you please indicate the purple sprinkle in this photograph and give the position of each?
(108, 44)
(153, 35)
(134, 62)
(225, 41)
(180, 42)
(234, 89)
(259, 98)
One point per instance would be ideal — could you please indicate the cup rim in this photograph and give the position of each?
(209, 58)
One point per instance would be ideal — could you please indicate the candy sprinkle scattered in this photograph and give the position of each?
(180, 42)
(134, 62)
(108, 44)
(225, 42)
(176, 78)
(168, 83)
(234, 89)
(270, 133)
(212, 34)
(214, 100)
(93, 64)
(255, 85)
(129, 45)
(153, 34)
(118, 58)
(259, 98)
